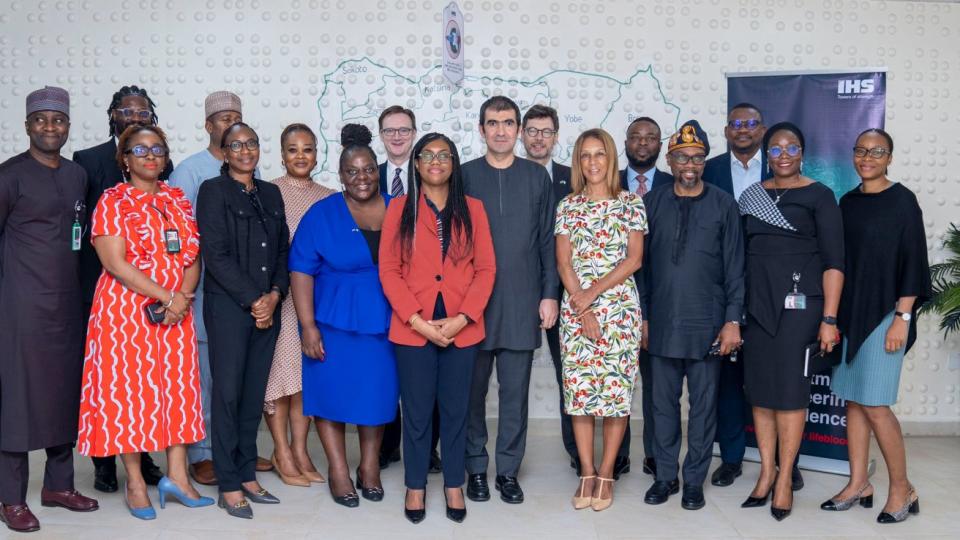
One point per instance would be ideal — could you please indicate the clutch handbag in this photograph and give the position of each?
(817, 361)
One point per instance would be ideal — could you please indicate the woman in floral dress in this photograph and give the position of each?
(599, 232)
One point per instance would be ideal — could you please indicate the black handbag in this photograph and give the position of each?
(817, 361)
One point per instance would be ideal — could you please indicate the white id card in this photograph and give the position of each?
(795, 301)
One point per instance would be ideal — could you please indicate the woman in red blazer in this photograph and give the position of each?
(437, 268)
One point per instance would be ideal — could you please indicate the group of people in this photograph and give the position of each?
(201, 298)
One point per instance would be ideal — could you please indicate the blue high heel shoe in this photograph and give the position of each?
(167, 487)
(147, 513)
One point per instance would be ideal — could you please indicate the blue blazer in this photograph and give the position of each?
(383, 179)
(717, 171)
(659, 178)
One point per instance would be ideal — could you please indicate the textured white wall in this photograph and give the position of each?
(303, 60)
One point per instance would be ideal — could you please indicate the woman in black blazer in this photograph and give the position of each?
(245, 241)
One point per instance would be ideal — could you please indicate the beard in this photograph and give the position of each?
(643, 164)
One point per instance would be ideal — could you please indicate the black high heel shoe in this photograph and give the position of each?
(757, 502)
(839, 505)
(780, 514)
(415, 516)
(455, 514)
(374, 494)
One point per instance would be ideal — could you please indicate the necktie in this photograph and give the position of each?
(642, 187)
(396, 188)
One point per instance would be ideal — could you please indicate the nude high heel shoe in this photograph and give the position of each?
(599, 504)
(579, 501)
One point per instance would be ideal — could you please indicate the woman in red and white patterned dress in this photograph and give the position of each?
(141, 380)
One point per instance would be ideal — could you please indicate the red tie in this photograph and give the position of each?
(642, 187)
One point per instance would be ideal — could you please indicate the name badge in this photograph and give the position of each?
(795, 299)
(76, 234)
(171, 238)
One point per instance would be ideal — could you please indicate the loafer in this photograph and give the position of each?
(650, 466)
(477, 488)
(260, 496)
(240, 510)
(796, 479)
(105, 477)
(19, 518)
(660, 491)
(725, 474)
(203, 473)
(70, 499)
(692, 498)
(386, 458)
(373, 493)
(436, 465)
(151, 473)
(509, 489)
(621, 466)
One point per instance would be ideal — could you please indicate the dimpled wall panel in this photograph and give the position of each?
(328, 62)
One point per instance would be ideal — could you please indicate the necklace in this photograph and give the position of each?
(779, 193)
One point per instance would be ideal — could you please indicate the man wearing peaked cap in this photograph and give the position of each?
(693, 288)
(41, 211)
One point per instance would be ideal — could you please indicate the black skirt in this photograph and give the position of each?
(773, 364)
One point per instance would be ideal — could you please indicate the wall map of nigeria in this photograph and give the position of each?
(358, 89)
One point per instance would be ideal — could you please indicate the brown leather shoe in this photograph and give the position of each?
(70, 499)
(19, 518)
(264, 465)
(202, 473)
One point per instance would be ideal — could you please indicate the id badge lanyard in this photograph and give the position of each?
(171, 236)
(76, 230)
(795, 299)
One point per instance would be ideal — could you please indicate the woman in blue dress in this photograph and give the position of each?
(349, 370)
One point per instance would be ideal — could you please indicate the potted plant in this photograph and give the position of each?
(945, 278)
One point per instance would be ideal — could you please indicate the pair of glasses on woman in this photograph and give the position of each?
(428, 157)
(142, 150)
(792, 150)
(875, 152)
(237, 146)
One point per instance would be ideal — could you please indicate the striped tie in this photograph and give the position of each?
(396, 188)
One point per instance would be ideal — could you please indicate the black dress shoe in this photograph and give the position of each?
(389, 457)
(621, 466)
(725, 474)
(509, 489)
(374, 493)
(796, 479)
(649, 466)
(105, 478)
(436, 465)
(575, 465)
(660, 491)
(477, 488)
(455, 514)
(692, 498)
(151, 473)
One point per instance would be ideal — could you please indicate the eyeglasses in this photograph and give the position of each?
(546, 133)
(139, 114)
(403, 132)
(744, 124)
(353, 173)
(875, 152)
(237, 146)
(428, 157)
(141, 150)
(683, 159)
(792, 150)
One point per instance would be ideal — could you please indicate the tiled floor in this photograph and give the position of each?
(549, 483)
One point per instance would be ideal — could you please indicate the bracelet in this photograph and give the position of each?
(170, 303)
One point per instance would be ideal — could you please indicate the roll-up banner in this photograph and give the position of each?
(831, 108)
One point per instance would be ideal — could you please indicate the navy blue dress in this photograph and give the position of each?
(356, 382)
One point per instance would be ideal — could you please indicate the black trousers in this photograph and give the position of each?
(731, 412)
(434, 377)
(566, 425)
(240, 359)
(393, 430)
(703, 378)
(15, 473)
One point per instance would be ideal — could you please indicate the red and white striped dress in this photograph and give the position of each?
(141, 381)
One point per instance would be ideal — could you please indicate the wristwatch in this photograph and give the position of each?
(905, 316)
(832, 321)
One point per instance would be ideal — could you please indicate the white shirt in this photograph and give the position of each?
(391, 172)
(742, 177)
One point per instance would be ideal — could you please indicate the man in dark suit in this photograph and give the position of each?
(398, 131)
(130, 106)
(642, 148)
(740, 166)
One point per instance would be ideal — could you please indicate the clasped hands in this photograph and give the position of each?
(178, 308)
(262, 309)
(580, 303)
(440, 332)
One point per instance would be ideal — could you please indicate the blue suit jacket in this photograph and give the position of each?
(717, 171)
(383, 179)
(659, 178)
